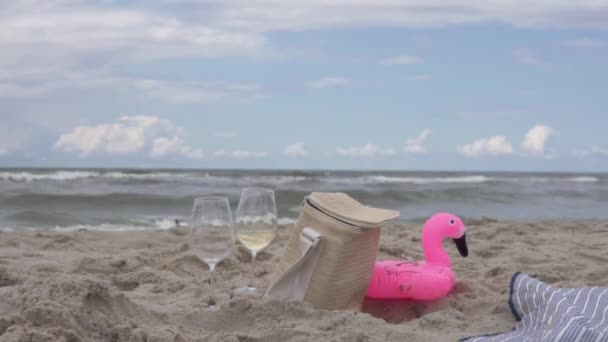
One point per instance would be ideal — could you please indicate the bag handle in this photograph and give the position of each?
(293, 283)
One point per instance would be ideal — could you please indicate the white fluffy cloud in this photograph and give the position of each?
(243, 154)
(164, 146)
(296, 150)
(365, 151)
(328, 82)
(416, 145)
(497, 145)
(402, 60)
(128, 135)
(536, 138)
(239, 154)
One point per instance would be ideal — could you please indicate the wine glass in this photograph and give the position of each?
(211, 231)
(256, 225)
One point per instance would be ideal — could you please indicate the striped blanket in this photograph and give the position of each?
(546, 313)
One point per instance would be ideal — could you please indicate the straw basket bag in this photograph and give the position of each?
(330, 254)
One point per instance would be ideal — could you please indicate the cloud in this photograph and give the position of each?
(154, 31)
(402, 60)
(494, 146)
(296, 150)
(128, 135)
(220, 153)
(270, 15)
(239, 154)
(65, 30)
(533, 144)
(243, 154)
(182, 92)
(328, 82)
(164, 146)
(530, 58)
(226, 134)
(47, 83)
(365, 151)
(389, 152)
(3, 151)
(593, 150)
(416, 145)
(535, 139)
(584, 43)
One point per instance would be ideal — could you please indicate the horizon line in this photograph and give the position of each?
(290, 169)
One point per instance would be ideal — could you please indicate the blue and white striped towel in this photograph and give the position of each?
(546, 313)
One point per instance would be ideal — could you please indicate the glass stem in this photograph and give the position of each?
(253, 254)
(212, 274)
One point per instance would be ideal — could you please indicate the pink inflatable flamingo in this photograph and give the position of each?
(422, 280)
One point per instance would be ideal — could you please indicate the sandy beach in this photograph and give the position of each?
(147, 286)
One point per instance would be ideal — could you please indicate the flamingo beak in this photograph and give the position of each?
(461, 244)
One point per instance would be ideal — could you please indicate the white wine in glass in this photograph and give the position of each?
(256, 225)
(256, 240)
(211, 230)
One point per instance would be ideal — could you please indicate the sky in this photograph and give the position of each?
(317, 84)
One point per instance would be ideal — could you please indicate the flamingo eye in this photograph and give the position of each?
(452, 222)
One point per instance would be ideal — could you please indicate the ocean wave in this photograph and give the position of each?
(426, 180)
(144, 224)
(109, 227)
(555, 179)
(25, 176)
(583, 179)
(156, 176)
(184, 176)
(283, 221)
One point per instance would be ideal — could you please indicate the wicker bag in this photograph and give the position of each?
(330, 254)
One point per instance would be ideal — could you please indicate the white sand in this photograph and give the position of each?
(146, 286)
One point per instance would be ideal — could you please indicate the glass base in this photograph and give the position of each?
(246, 291)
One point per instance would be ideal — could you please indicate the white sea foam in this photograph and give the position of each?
(57, 176)
(579, 179)
(158, 223)
(147, 176)
(24, 176)
(100, 227)
(583, 179)
(286, 220)
(166, 223)
(426, 180)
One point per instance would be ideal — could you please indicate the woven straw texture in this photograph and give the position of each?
(343, 272)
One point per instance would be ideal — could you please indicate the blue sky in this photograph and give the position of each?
(366, 84)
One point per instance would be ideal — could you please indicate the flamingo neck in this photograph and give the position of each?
(434, 253)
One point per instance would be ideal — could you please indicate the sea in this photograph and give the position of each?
(139, 199)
